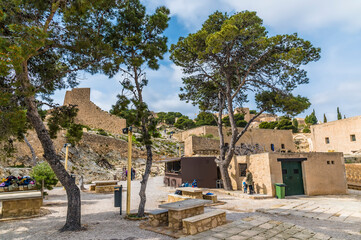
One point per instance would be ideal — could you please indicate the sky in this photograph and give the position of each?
(332, 25)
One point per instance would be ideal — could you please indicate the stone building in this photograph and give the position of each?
(337, 136)
(90, 114)
(303, 173)
(197, 141)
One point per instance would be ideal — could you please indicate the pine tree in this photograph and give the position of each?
(339, 115)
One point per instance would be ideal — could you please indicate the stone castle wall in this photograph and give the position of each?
(90, 114)
(339, 135)
(263, 137)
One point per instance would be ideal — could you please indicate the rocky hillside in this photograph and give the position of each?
(96, 157)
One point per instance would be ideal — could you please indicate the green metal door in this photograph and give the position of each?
(292, 177)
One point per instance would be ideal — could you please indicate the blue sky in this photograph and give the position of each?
(332, 25)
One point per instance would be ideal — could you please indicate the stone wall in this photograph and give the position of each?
(263, 137)
(91, 115)
(259, 166)
(195, 145)
(353, 174)
(339, 135)
(21, 207)
(323, 173)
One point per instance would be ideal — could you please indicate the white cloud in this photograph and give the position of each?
(295, 15)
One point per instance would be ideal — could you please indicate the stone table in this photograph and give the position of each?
(191, 192)
(177, 211)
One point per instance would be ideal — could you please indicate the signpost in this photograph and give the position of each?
(129, 131)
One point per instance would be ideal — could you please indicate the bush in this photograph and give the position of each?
(102, 132)
(43, 171)
(306, 130)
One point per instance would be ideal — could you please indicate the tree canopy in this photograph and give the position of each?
(311, 119)
(232, 55)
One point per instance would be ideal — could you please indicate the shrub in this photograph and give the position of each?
(42, 171)
(102, 132)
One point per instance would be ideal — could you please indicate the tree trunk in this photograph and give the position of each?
(143, 183)
(72, 191)
(227, 185)
(33, 155)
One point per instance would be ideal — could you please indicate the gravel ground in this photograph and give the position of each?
(102, 220)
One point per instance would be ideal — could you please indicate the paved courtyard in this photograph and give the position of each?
(259, 228)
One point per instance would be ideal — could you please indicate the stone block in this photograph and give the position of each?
(213, 197)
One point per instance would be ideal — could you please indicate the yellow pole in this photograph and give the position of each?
(66, 157)
(129, 170)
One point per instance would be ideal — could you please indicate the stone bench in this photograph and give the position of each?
(158, 217)
(105, 183)
(213, 197)
(203, 222)
(19, 204)
(105, 188)
(176, 198)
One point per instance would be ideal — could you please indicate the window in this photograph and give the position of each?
(174, 167)
(353, 138)
(282, 146)
(242, 169)
(327, 140)
(333, 162)
(272, 147)
(328, 162)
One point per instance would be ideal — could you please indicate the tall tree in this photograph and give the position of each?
(324, 118)
(140, 42)
(43, 45)
(339, 115)
(205, 118)
(232, 55)
(311, 119)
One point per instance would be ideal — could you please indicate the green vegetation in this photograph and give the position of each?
(232, 55)
(239, 119)
(205, 118)
(102, 132)
(324, 118)
(184, 123)
(339, 115)
(311, 119)
(169, 117)
(42, 171)
(306, 130)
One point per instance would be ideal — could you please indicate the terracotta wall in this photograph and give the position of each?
(339, 133)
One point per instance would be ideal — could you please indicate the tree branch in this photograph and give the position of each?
(248, 124)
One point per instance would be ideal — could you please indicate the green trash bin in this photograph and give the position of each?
(280, 190)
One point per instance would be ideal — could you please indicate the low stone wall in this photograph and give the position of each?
(195, 195)
(175, 217)
(21, 207)
(158, 218)
(204, 224)
(176, 198)
(213, 197)
(353, 174)
(105, 189)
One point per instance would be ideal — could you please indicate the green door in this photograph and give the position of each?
(292, 177)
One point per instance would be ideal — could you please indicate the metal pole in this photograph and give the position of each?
(129, 170)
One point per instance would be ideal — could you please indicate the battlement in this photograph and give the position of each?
(90, 114)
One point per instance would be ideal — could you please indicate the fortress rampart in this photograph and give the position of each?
(90, 114)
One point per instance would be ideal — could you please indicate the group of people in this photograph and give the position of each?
(248, 183)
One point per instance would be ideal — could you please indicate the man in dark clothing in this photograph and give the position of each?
(249, 181)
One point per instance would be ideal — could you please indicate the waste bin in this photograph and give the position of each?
(118, 197)
(280, 190)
